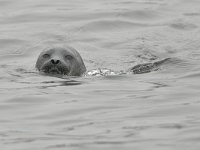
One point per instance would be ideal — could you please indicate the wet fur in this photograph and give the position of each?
(73, 67)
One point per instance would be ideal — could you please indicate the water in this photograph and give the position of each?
(157, 110)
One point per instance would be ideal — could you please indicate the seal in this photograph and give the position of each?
(67, 61)
(60, 61)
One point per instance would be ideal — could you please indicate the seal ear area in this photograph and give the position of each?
(82, 67)
(41, 59)
(77, 66)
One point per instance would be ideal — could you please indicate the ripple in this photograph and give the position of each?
(142, 15)
(110, 25)
(192, 14)
(183, 26)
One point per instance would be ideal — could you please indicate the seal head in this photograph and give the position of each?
(61, 61)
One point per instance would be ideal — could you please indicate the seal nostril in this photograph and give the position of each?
(57, 61)
(53, 61)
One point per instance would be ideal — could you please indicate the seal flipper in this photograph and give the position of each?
(147, 67)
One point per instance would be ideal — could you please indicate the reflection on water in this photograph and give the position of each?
(65, 83)
(156, 110)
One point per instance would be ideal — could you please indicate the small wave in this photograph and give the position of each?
(108, 25)
(192, 14)
(141, 15)
(183, 26)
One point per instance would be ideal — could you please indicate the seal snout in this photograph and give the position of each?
(55, 61)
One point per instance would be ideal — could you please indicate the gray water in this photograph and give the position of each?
(158, 110)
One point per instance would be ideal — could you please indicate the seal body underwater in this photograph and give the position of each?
(61, 61)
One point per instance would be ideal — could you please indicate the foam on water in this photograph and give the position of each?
(156, 110)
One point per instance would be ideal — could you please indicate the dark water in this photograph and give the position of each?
(157, 110)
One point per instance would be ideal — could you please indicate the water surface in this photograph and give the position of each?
(157, 110)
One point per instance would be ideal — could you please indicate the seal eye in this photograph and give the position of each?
(69, 57)
(46, 56)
